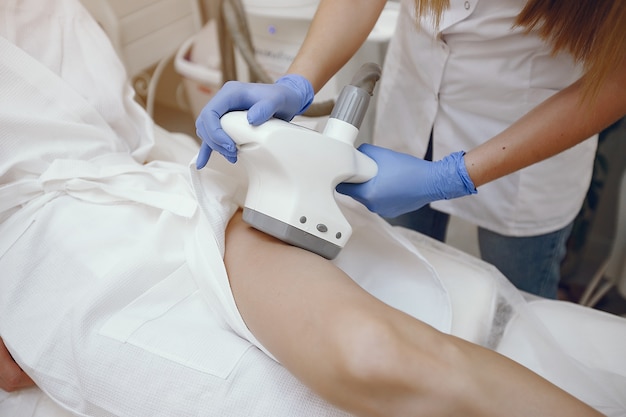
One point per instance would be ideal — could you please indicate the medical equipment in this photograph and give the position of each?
(266, 35)
(146, 34)
(247, 41)
(277, 29)
(113, 346)
(293, 170)
(143, 32)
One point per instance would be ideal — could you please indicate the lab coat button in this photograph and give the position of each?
(322, 228)
(467, 5)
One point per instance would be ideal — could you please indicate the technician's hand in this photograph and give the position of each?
(288, 97)
(405, 183)
(12, 377)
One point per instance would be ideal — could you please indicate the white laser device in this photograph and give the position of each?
(293, 171)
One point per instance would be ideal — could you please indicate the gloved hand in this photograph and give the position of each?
(405, 183)
(289, 96)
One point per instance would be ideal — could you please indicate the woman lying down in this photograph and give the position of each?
(133, 288)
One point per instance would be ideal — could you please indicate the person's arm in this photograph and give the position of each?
(557, 124)
(337, 31)
(12, 377)
(364, 356)
(405, 183)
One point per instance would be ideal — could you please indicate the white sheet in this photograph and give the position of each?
(113, 295)
(112, 281)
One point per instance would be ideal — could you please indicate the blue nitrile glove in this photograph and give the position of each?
(289, 96)
(405, 183)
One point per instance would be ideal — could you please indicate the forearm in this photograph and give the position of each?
(338, 30)
(557, 124)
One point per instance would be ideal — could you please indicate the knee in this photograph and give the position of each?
(382, 364)
(368, 349)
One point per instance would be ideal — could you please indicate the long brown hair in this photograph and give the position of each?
(592, 31)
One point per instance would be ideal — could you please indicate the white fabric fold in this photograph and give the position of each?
(113, 292)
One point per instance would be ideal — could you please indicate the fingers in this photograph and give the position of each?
(375, 152)
(348, 188)
(367, 149)
(209, 129)
(358, 192)
(261, 112)
(231, 97)
(203, 156)
(263, 101)
(277, 100)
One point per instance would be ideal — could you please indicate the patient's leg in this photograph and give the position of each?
(365, 356)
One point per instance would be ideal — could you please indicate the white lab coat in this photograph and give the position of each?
(468, 81)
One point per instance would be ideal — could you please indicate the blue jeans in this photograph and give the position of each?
(532, 264)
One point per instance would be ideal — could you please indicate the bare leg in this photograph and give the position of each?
(12, 377)
(364, 356)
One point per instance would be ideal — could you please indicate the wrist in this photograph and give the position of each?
(301, 86)
(455, 178)
(464, 174)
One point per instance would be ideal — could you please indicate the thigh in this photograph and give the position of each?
(318, 322)
(100, 304)
(285, 293)
(362, 354)
(531, 263)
